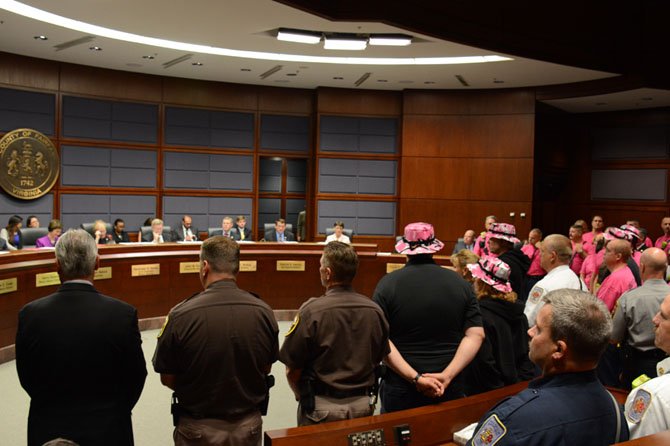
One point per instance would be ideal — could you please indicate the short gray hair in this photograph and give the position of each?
(76, 253)
(582, 321)
(559, 244)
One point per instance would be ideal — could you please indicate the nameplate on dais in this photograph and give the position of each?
(290, 265)
(189, 267)
(390, 267)
(103, 273)
(46, 279)
(8, 285)
(149, 269)
(248, 266)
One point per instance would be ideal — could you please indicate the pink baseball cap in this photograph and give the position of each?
(493, 271)
(419, 238)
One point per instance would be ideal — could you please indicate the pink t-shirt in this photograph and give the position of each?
(478, 244)
(587, 241)
(636, 256)
(534, 255)
(615, 285)
(577, 260)
(660, 242)
(589, 268)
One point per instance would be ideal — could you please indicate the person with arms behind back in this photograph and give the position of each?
(79, 355)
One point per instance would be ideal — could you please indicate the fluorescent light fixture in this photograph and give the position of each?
(87, 28)
(390, 39)
(345, 43)
(299, 36)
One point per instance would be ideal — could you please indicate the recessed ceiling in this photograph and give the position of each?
(251, 25)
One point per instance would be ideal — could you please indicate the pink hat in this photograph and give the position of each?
(613, 232)
(632, 231)
(419, 238)
(493, 271)
(503, 231)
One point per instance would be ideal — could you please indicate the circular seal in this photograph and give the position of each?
(29, 164)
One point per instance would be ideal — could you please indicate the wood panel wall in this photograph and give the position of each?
(564, 164)
(466, 155)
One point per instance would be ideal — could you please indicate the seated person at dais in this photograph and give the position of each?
(49, 240)
(279, 233)
(119, 235)
(157, 234)
(338, 235)
(100, 233)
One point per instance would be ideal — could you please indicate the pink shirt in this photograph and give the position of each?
(478, 244)
(663, 239)
(589, 268)
(587, 241)
(615, 285)
(534, 255)
(577, 260)
(636, 256)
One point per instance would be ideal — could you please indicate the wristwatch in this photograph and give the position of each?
(415, 380)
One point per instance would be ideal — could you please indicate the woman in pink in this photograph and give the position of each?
(535, 272)
(591, 265)
(49, 240)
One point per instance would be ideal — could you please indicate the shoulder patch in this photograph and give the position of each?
(490, 433)
(295, 323)
(535, 294)
(160, 333)
(639, 405)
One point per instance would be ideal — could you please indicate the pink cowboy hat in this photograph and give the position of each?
(419, 238)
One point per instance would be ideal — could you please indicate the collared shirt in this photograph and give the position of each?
(615, 285)
(648, 406)
(563, 409)
(577, 259)
(218, 343)
(560, 277)
(281, 237)
(187, 232)
(340, 336)
(635, 311)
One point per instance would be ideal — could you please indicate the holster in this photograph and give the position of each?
(307, 392)
(175, 410)
(269, 383)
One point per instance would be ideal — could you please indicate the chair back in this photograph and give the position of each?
(267, 227)
(88, 227)
(30, 236)
(211, 232)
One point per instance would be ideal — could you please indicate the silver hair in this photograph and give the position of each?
(156, 221)
(581, 320)
(76, 252)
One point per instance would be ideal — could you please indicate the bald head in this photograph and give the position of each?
(617, 252)
(653, 264)
(555, 250)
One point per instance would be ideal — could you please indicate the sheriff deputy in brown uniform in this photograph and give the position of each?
(215, 351)
(334, 345)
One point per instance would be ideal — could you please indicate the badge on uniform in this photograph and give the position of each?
(490, 433)
(295, 323)
(535, 294)
(640, 404)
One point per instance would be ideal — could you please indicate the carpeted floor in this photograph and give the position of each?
(152, 421)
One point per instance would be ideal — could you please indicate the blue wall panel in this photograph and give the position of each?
(353, 176)
(353, 134)
(208, 172)
(364, 217)
(101, 167)
(285, 133)
(84, 208)
(27, 109)
(209, 128)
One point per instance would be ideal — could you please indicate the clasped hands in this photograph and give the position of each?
(432, 385)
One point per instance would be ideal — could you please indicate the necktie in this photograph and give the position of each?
(281, 237)
(241, 234)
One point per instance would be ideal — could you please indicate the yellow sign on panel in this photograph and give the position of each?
(46, 279)
(290, 265)
(150, 269)
(8, 285)
(390, 267)
(248, 266)
(189, 267)
(103, 273)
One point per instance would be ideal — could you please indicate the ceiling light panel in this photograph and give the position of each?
(345, 43)
(390, 40)
(298, 36)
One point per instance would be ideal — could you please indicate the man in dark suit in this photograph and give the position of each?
(185, 231)
(119, 235)
(157, 234)
(242, 230)
(279, 233)
(79, 355)
(468, 242)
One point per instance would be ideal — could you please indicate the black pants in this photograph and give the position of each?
(637, 362)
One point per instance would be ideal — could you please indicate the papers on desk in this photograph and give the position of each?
(4, 252)
(461, 437)
(248, 242)
(381, 254)
(184, 242)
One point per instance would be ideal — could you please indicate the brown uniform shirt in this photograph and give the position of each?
(341, 336)
(219, 344)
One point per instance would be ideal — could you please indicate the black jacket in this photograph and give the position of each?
(519, 264)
